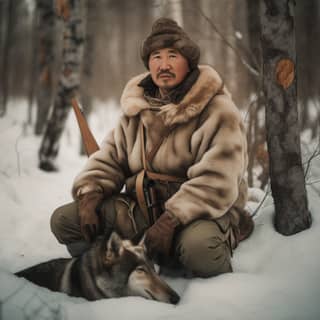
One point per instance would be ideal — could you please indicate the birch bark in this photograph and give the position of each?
(73, 41)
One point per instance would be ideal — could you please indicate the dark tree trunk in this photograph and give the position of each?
(45, 59)
(69, 81)
(33, 65)
(87, 65)
(8, 8)
(283, 136)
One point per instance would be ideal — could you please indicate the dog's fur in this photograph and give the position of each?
(111, 268)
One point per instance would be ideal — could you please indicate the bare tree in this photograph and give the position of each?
(283, 136)
(33, 65)
(45, 62)
(7, 9)
(69, 82)
(88, 61)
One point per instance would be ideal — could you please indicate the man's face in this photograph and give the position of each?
(168, 68)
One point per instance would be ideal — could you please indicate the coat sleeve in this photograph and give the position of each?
(106, 169)
(221, 159)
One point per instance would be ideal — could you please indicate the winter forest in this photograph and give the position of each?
(270, 68)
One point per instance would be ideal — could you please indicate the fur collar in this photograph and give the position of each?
(208, 84)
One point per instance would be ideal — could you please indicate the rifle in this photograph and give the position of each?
(90, 143)
(146, 195)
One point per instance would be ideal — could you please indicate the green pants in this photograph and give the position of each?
(200, 248)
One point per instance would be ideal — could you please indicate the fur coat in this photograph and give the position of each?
(207, 146)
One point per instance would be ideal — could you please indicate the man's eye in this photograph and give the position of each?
(172, 56)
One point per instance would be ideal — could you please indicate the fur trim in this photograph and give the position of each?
(132, 100)
(206, 87)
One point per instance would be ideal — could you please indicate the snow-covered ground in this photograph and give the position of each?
(275, 277)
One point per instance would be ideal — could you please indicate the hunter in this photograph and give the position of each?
(180, 150)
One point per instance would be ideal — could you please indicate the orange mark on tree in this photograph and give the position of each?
(45, 76)
(285, 72)
(262, 154)
(63, 9)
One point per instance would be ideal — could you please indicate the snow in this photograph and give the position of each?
(238, 35)
(275, 277)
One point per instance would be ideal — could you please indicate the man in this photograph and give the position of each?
(182, 139)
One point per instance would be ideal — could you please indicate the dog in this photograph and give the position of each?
(112, 267)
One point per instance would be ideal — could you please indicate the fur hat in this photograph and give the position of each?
(166, 33)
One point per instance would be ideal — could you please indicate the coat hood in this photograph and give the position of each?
(208, 84)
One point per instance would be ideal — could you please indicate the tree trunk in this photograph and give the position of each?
(256, 136)
(8, 7)
(69, 81)
(87, 65)
(283, 136)
(33, 65)
(45, 58)
(175, 12)
(229, 58)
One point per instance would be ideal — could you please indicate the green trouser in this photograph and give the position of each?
(200, 248)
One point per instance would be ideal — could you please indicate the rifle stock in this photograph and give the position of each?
(90, 143)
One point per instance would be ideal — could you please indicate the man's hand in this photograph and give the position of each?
(89, 219)
(158, 238)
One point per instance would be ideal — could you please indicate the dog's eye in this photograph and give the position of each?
(140, 269)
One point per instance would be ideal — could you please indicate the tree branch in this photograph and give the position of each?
(313, 182)
(262, 201)
(315, 154)
(254, 70)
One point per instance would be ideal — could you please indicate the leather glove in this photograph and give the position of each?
(158, 238)
(89, 219)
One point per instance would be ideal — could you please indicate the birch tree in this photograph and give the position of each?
(33, 65)
(73, 41)
(45, 62)
(283, 138)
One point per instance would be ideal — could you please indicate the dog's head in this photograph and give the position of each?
(132, 273)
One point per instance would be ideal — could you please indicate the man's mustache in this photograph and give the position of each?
(166, 73)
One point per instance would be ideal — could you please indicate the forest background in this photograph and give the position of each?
(228, 33)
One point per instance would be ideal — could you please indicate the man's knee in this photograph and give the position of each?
(203, 249)
(65, 223)
(56, 224)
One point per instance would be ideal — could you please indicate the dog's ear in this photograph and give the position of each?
(114, 243)
(113, 247)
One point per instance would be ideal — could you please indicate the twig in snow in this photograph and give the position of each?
(4, 174)
(313, 182)
(17, 151)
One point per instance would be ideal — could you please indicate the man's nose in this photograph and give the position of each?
(164, 65)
